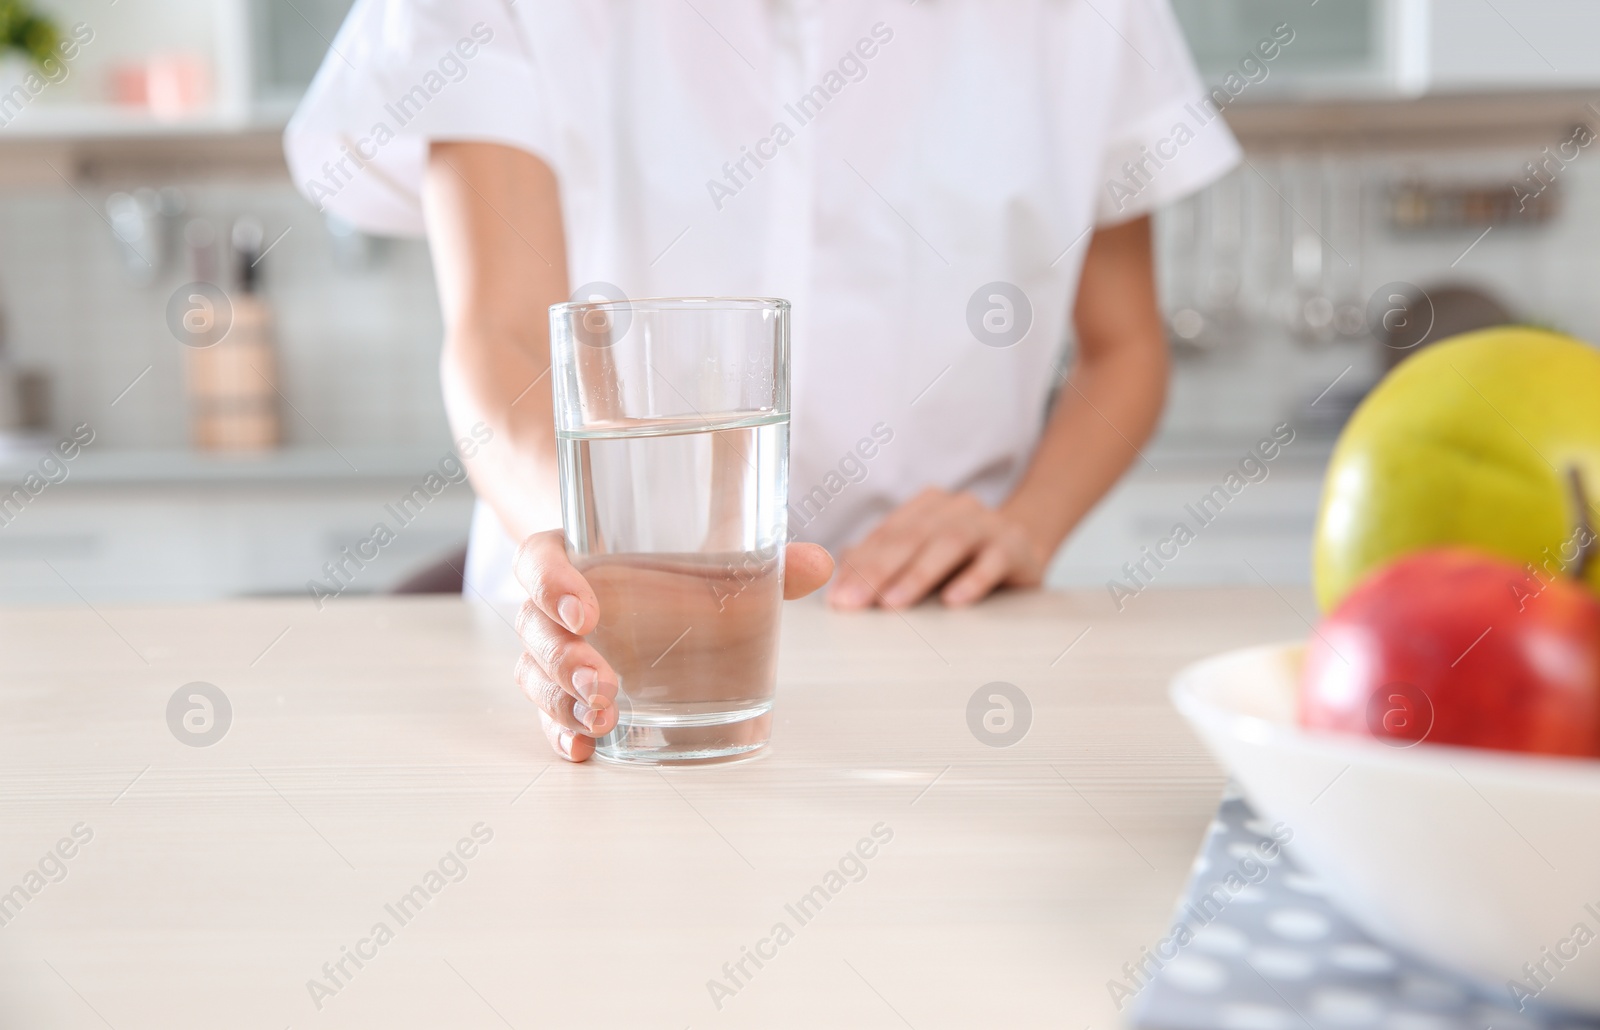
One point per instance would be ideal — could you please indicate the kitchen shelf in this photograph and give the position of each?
(311, 464)
(105, 142)
(1289, 123)
(111, 122)
(287, 466)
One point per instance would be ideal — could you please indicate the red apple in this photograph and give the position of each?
(1452, 646)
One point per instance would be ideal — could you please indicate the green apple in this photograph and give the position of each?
(1490, 439)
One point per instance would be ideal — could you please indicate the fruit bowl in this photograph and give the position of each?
(1485, 862)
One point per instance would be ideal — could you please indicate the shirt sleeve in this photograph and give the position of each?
(399, 74)
(1166, 136)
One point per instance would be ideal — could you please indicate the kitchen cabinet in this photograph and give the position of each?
(1400, 47)
(259, 56)
(1262, 533)
(1352, 46)
(182, 527)
(1529, 44)
(287, 41)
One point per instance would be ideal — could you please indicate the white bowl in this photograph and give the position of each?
(1478, 860)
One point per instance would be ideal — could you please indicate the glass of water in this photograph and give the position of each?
(672, 424)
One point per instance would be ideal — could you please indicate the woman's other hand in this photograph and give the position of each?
(949, 542)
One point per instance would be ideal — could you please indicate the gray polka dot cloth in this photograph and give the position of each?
(1254, 945)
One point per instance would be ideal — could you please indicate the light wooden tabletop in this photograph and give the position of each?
(377, 750)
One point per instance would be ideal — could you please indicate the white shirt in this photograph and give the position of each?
(877, 163)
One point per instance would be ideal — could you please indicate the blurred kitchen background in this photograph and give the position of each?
(1377, 200)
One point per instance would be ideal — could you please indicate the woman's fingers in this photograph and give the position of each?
(571, 746)
(805, 568)
(979, 579)
(951, 543)
(916, 548)
(873, 562)
(555, 701)
(870, 565)
(932, 565)
(554, 584)
(564, 657)
(560, 671)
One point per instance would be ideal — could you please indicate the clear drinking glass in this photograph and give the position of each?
(672, 424)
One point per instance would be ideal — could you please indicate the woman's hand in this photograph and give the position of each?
(938, 537)
(1107, 407)
(561, 672)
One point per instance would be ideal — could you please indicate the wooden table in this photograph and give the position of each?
(367, 740)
